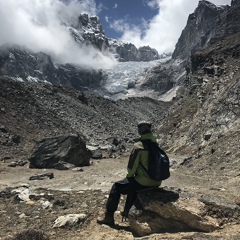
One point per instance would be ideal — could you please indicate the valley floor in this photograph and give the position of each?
(86, 192)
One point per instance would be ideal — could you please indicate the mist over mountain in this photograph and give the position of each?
(42, 27)
(90, 61)
(68, 31)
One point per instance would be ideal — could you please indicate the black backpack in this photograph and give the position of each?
(158, 161)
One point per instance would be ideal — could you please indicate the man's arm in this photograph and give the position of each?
(133, 162)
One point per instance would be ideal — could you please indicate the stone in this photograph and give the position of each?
(46, 204)
(171, 210)
(69, 148)
(16, 139)
(17, 163)
(42, 176)
(69, 220)
(207, 136)
(77, 169)
(63, 166)
(97, 154)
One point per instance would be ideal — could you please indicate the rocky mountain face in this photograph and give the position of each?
(209, 98)
(23, 64)
(201, 27)
(204, 121)
(126, 52)
(207, 25)
(34, 111)
(89, 31)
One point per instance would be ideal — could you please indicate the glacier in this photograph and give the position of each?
(124, 79)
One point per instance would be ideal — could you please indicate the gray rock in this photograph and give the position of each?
(161, 210)
(63, 166)
(42, 176)
(200, 29)
(22, 193)
(17, 163)
(97, 154)
(69, 148)
(46, 204)
(69, 220)
(22, 63)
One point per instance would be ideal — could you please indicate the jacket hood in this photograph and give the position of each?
(147, 136)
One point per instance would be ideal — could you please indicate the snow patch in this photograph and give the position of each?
(123, 77)
(168, 96)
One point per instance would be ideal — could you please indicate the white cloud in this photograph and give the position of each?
(151, 3)
(115, 6)
(35, 24)
(107, 19)
(164, 29)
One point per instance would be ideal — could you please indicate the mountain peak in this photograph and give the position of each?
(91, 23)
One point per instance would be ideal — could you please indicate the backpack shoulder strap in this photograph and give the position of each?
(146, 147)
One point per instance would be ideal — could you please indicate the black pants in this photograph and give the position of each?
(127, 186)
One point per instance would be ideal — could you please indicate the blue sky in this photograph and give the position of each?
(35, 23)
(132, 12)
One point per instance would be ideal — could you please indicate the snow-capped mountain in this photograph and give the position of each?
(23, 64)
(88, 30)
(127, 74)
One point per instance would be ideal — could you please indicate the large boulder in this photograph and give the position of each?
(163, 210)
(50, 151)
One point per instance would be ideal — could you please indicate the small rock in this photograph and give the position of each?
(42, 176)
(12, 164)
(207, 136)
(30, 202)
(69, 220)
(97, 154)
(60, 203)
(46, 204)
(23, 215)
(227, 153)
(78, 169)
(16, 139)
(63, 166)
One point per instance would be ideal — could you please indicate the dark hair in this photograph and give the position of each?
(147, 123)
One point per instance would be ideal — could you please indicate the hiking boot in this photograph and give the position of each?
(124, 216)
(108, 219)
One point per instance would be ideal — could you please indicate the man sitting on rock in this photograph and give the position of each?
(136, 179)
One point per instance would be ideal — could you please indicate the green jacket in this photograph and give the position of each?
(138, 154)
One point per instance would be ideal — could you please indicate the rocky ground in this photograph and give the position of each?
(74, 192)
(200, 131)
(30, 112)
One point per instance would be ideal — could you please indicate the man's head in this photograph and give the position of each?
(144, 127)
